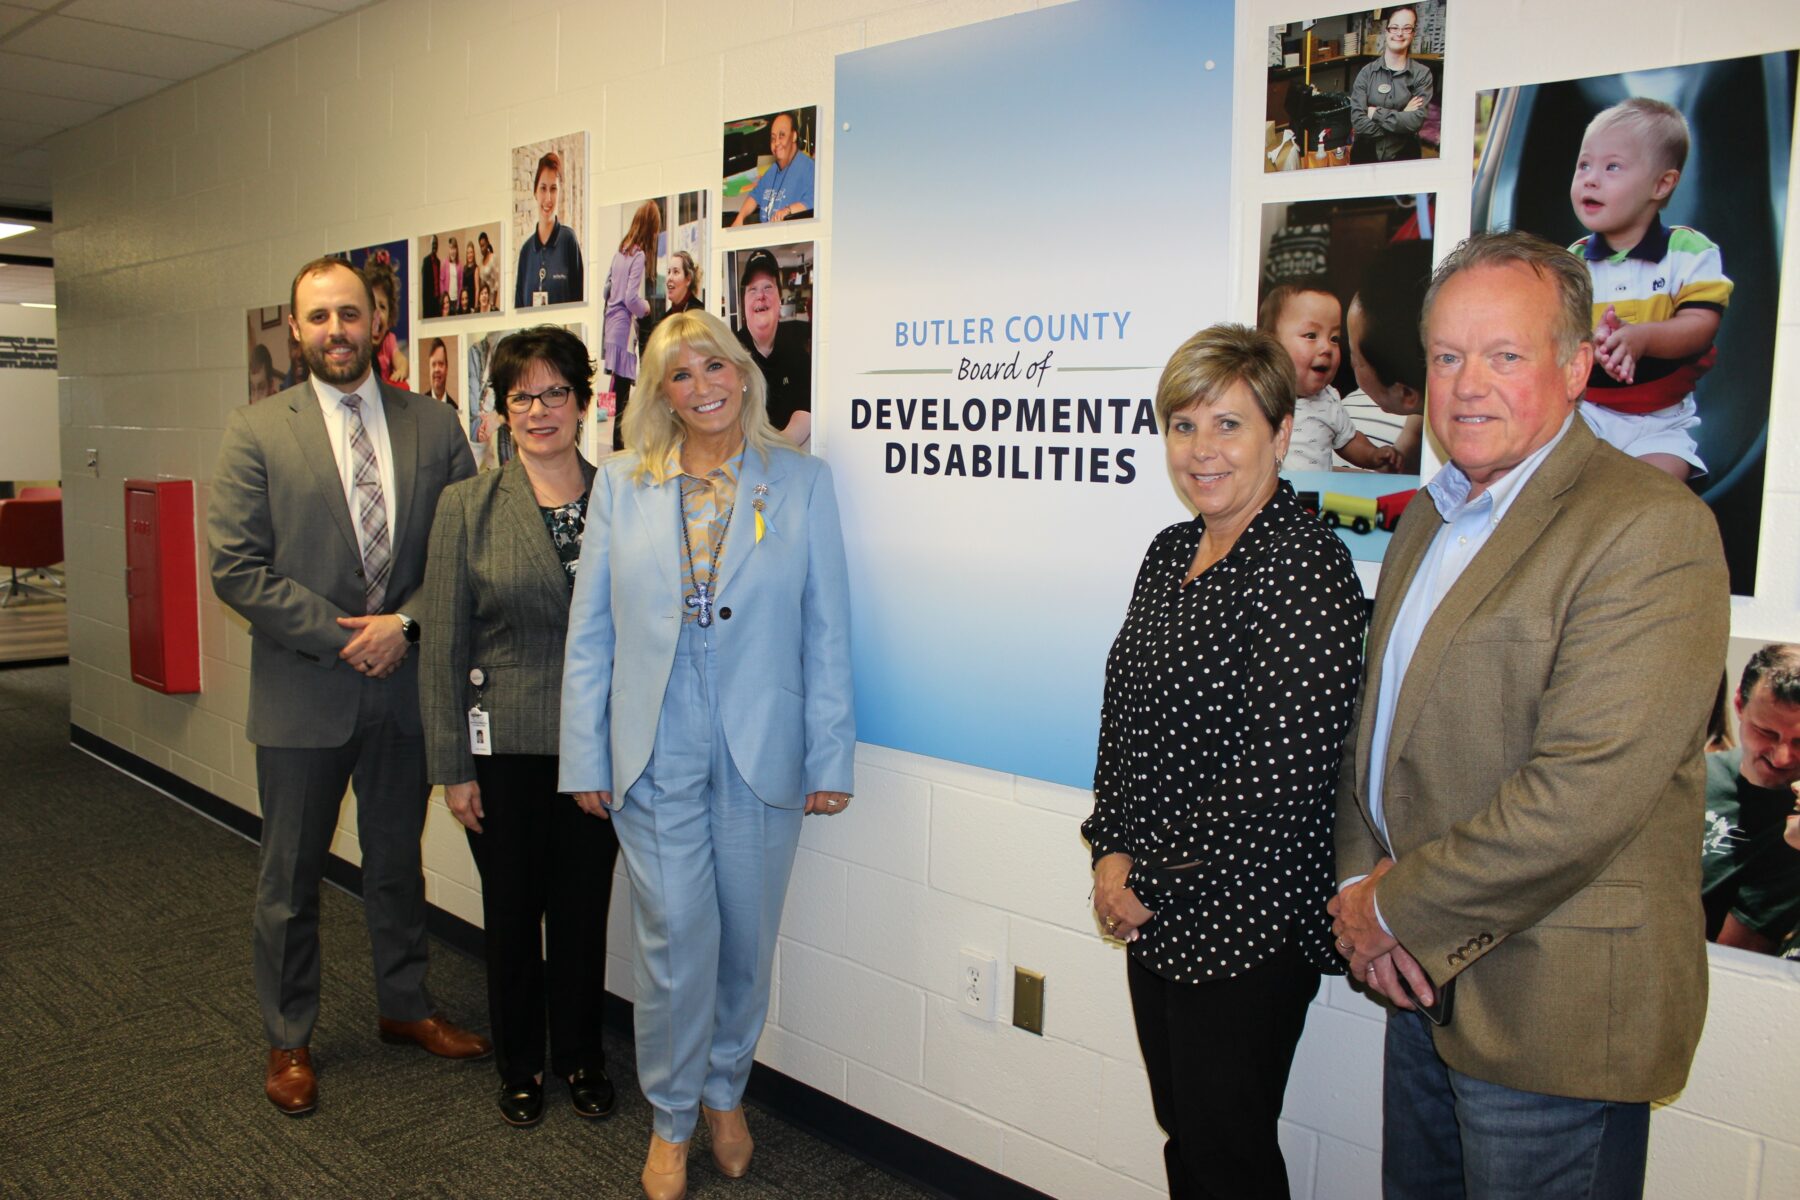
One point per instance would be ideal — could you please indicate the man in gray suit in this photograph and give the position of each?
(320, 516)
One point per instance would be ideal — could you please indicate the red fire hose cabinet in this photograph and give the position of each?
(161, 587)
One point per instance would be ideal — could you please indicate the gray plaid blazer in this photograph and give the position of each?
(495, 597)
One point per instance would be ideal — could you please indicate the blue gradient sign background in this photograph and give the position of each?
(1045, 172)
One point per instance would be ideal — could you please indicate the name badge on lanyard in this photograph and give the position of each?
(481, 739)
(540, 297)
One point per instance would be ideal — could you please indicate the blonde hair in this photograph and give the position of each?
(1659, 126)
(1204, 367)
(651, 429)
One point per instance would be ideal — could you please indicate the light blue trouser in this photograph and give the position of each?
(709, 865)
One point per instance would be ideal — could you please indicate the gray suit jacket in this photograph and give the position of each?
(285, 554)
(496, 597)
(1543, 786)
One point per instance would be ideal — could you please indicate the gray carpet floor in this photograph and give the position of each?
(131, 1053)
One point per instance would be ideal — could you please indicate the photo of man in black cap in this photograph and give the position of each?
(782, 349)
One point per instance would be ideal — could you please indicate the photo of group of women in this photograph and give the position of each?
(1341, 288)
(769, 302)
(1362, 87)
(459, 272)
(1678, 204)
(770, 167)
(550, 195)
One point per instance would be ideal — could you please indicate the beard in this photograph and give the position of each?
(321, 367)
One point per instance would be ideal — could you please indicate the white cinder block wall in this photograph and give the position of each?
(178, 213)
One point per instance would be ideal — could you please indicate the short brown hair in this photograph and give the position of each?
(1508, 247)
(319, 266)
(552, 161)
(1207, 364)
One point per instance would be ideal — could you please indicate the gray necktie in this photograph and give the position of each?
(371, 510)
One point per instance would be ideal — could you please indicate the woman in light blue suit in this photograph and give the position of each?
(706, 707)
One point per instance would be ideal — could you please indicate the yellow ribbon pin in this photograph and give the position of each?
(760, 527)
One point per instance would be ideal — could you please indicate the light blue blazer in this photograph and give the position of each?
(783, 653)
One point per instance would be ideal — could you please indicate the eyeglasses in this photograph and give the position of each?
(1400, 28)
(554, 397)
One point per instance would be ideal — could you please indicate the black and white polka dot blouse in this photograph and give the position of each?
(1227, 702)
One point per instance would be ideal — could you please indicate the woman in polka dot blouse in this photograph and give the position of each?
(1229, 691)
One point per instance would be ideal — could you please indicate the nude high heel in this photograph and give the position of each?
(732, 1144)
(665, 1170)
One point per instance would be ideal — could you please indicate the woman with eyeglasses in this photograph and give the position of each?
(505, 549)
(1390, 95)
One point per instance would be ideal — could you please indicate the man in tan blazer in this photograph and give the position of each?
(1522, 794)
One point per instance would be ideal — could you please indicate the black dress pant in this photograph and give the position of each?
(1218, 1055)
(542, 860)
(621, 397)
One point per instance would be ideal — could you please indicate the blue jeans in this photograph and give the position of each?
(1447, 1136)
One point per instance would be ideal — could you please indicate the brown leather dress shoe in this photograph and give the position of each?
(289, 1081)
(438, 1034)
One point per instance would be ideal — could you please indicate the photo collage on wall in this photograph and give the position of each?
(1361, 87)
(769, 304)
(1716, 247)
(659, 260)
(1341, 286)
(549, 221)
(459, 272)
(770, 168)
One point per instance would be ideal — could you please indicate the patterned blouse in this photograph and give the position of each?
(708, 502)
(565, 523)
(1227, 702)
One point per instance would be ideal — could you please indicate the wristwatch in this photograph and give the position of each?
(409, 627)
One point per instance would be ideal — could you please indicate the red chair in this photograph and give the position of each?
(53, 578)
(30, 538)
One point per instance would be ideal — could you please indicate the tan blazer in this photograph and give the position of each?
(1544, 778)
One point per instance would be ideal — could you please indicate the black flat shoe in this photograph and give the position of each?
(522, 1105)
(591, 1092)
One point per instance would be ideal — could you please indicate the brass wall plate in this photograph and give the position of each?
(1028, 1000)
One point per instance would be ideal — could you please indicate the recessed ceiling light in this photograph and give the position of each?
(31, 304)
(9, 228)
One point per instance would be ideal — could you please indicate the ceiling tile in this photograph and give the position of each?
(77, 83)
(25, 132)
(245, 24)
(332, 6)
(40, 5)
(12, 16)
(51, 110)
(94, 45)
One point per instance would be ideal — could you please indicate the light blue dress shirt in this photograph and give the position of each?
(1467, 526)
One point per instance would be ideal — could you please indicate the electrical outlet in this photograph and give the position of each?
(975, 985)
